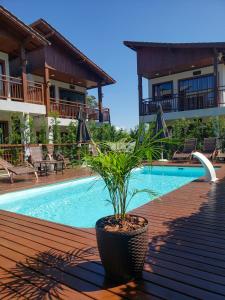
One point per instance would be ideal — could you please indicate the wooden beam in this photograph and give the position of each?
(215, 72)
(140, 92)
(46, 89)
(24, 73)
(100, 103)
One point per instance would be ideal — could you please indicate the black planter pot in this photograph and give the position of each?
(122, 253)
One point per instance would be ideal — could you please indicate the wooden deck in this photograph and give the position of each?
(186, 256)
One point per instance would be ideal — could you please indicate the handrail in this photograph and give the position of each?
(69, 109)
(200, 99)
(12, 88)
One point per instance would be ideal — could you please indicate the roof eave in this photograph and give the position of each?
(42, 41)
(101, 73)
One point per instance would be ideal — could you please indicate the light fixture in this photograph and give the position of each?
(192, 66)
(156, 74)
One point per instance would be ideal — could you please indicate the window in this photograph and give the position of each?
(2, 72)
(162, 90)
(52, 91)
(3, 132)
(196, 92)
(196, 84)
(72, 96)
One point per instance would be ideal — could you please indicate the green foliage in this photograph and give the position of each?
(134, 132)
(115, 167)
(91, 101)
(106, 132)
(70, 138)
(15, 132)
(196, 128)
(15, 137)
(56, 133)
(43, 136)
(28, 131)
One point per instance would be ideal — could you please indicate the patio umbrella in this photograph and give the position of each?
(160, 125)
(83, 135)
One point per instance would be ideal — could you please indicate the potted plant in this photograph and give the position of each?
(122, 238)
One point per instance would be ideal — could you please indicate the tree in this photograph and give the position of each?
(91, 101)
(56, 133)
(43, 136)
(28, 131)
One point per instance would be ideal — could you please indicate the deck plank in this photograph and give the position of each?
(45, 260)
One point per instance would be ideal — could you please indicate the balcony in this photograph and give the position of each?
(200, 99)
(70, 110)
(12, 88)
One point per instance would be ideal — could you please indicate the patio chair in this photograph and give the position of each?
(43, 164)
(188, 149)
(209, 147)
(14, 170)
(220, 156)
(57, 155)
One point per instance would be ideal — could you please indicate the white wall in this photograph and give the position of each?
(24, 107)
(188, 114)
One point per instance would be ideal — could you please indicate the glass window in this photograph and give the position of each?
(196, 92)
(3, 132)
(162, 90)
(2, 72)
(73, 96)
(193, 85)
(52, 91)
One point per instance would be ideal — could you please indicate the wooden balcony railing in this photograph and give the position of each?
(35, 92)
(17, 154)
(12, 88)
(183, 102)
(70, 110)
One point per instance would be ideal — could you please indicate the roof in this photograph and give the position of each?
(48, 31)
(22, 27)
(136, 45)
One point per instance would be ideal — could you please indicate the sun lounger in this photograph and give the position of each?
(209, 147)
(14, 170)
(185, 154)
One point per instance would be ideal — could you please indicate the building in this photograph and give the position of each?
(187, 79)
(42, 73)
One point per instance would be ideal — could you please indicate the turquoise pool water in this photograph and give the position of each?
(81, 202)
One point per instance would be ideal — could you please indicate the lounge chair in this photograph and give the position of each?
(12, 170)
(209, 147)
(186, 153)
(43, 164)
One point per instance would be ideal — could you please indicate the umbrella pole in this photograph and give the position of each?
(161, 151)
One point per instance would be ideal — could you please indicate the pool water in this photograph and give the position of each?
(82, 202)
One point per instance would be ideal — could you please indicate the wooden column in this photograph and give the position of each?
(24, 73)
(46, 89)
(215, 72)
(100, 103)
(140, 93)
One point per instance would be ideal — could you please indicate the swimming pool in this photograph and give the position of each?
(81, 202)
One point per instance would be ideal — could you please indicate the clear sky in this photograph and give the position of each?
(99, 27)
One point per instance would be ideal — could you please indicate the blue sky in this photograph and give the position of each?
(99, 27)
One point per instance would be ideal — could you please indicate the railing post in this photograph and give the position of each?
(100, 103)
(24, 73)
(215, 71)
(46, 89)
(140, 93)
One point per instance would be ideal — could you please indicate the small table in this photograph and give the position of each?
(46, 163)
